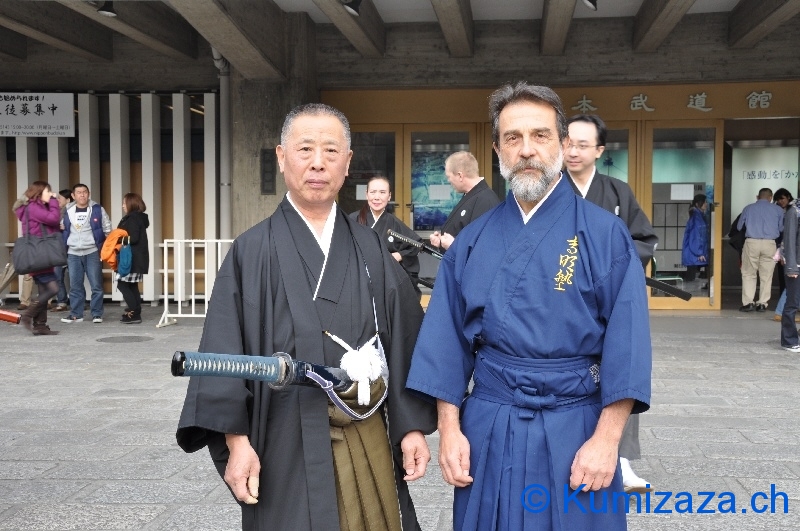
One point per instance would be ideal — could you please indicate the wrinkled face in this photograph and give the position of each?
(530, 153)
(81, 196)
(315, 160)
(378, 195)
(582, 150)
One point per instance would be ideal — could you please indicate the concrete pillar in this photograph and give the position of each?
(120, 147)
(57, 163)
(89, 143)
(210, 194)
(181, 189)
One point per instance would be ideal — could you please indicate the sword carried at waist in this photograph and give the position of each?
(421, 246)
(278, 371)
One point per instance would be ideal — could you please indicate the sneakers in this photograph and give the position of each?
(748, 307)
(71, 319)
(793, 348)
(761, 307)
(97, 319)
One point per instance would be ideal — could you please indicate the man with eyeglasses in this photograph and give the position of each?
(587, 141)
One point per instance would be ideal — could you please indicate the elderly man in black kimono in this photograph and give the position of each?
(288, 284)
(587, 142)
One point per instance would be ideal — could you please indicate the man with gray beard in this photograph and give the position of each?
(543, 301)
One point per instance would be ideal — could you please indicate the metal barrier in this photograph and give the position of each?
(190, 286)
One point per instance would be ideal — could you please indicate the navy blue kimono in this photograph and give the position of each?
(551, 317)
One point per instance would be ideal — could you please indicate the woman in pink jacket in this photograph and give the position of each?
(42, 210)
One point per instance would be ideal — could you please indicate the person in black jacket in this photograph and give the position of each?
(462, 170)
(135, 221)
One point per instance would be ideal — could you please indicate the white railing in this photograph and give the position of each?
(190, 269)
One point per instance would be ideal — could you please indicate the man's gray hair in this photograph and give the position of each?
(524, 91)
(314, 109)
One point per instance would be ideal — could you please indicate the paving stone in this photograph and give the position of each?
(58, 517)
(726, 467)
(770, 436)
(141, 439)
(216, 517)
(696, 434)
(63, 453)
(790, 487)
(152, 492)
(60, 438)
(50, 424)
(39, 490)
(25, 470)
(765, 452)
(723, 418)
(124, 470)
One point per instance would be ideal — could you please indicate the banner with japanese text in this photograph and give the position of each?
(37, 114)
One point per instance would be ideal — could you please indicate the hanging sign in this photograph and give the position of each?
(37, 114)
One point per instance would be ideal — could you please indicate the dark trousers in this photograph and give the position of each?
(130, 292)
(788, 327)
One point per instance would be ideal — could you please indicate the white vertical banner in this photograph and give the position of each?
(210, 187)
(181, 189)
(5, 206)
(120, 158)
(57, 163)
(27, 169)
(89, 143)
(151, 193)
(27, 162)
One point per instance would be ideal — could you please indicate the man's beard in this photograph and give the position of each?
(531, 188)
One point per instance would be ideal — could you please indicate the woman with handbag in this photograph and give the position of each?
(135, 221)
(38, 211)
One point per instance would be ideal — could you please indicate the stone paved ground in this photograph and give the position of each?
(87, 428)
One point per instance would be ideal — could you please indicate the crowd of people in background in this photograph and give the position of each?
(84, 226)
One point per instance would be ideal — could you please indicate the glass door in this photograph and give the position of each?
(431, 196)
(376, 151)
(684, 164)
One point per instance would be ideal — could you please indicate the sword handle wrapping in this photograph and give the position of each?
(273, 369)
(279, 370)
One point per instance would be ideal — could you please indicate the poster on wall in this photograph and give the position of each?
(755, 168)
(431, 193)
(37, 114)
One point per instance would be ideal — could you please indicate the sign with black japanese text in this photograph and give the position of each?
(37, 114)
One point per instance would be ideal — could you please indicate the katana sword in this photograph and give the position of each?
(650, 281)
(279, 371)
(669, 289)
(421, 246)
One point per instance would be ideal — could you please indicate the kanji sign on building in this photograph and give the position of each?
(37, 114)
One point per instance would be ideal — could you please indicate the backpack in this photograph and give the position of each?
(108, 253)
(736, 236)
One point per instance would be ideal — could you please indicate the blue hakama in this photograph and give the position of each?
(552, 318)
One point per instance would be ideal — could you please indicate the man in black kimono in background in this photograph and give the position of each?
(291, 460)
(463, 174)
(587, 134)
